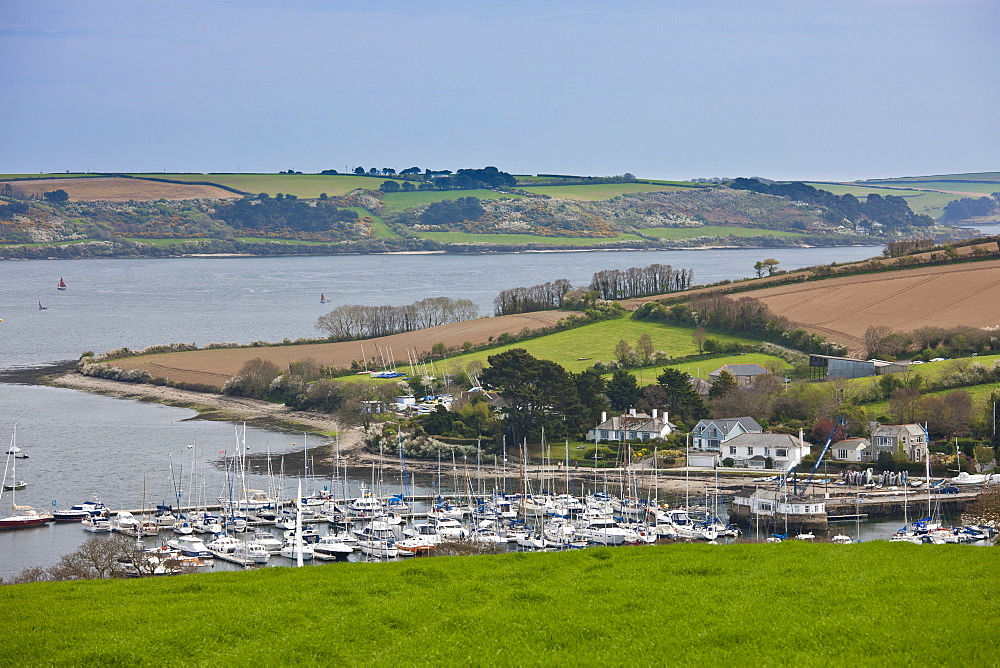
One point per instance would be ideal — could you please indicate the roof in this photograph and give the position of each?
(637, 422)
(726, 425)
(852, 444)
(898, 430)
(765, 440)
(740, 370)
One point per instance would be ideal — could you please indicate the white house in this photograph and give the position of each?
(852, 450)
(711, 434)
(753, 450)
(632, 426)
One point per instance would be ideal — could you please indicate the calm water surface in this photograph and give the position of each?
(81, 444)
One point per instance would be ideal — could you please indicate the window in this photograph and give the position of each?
(749, 451)
(781, 452)
(732, 449)
(767, 452)
(842, 454)
(604, 433)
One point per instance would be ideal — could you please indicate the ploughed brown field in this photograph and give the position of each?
(841, 309)
(115, 189)
(215, 367)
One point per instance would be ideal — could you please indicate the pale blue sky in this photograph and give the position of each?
(664, 89)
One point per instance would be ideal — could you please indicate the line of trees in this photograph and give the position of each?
(284, 212)
(541, 297)
(890, 211)
(358, 321)
(971, 207)
(640, 281)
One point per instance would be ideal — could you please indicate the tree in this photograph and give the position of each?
(537, 392)
(389, 187)
(724, 383)
(771, 265)
(57, 196)
(903, 404)
(698, 337)
(254, 378)
(984, 455)
(408, 186)
(644, 347)
(682, 399)
(875, 337)
(623, 390)
(359, 171)
(623, 353)
(373, 171)
(591, 389)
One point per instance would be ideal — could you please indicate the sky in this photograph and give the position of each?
(831, 90)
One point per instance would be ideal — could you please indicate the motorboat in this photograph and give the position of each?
(293, 548)
(190, 546)
(124, 521)
(223, 543)
(267, 540)
(603, 531)
(183, 527)
(81, 511)
(330, 547)
(207, 523)
(377, 539)
(449, 529)
(252, 552)
(96, 524)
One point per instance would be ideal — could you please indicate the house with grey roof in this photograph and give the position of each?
(852, 450)
(753, 451)
(745, 374)
(711, 434)
(908, 438)
(632, 426)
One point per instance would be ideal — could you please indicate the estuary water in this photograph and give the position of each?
(81, 444)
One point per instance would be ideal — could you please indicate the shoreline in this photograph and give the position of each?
(278, 416)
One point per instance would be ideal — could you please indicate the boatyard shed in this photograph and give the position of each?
(848, 367)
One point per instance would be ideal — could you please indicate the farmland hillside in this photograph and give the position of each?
(215, 367)
(841, 309)
(473, 211)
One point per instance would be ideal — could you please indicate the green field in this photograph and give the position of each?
(980, 396)
(713, 231)
(987, 188)
(400, 201)
(300, 185)
(702, 368)
(993, 177)
(931, 204)
(7, 177)
(601, 191)
(877, 603)
(595, 342)
(467, 238)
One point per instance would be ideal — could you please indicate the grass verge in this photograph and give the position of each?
(741, 604)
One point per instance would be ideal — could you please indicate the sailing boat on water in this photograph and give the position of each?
(322, 298)
(61, 285)
(40, 307)
(22, 516)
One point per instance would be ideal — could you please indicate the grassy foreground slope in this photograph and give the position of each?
(791, 604)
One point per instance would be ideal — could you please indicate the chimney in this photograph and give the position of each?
(604, 417)
(654, 413)
(631, 412)
(801, 442)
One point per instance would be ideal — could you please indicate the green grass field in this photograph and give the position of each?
(400, 201)
(701, 368)
(875, 603)
(713, 231)
(300, 185)
(601, 191)
(993, 177)
(984, 188)
(467, 238)
(6, 177)
(595, 342)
